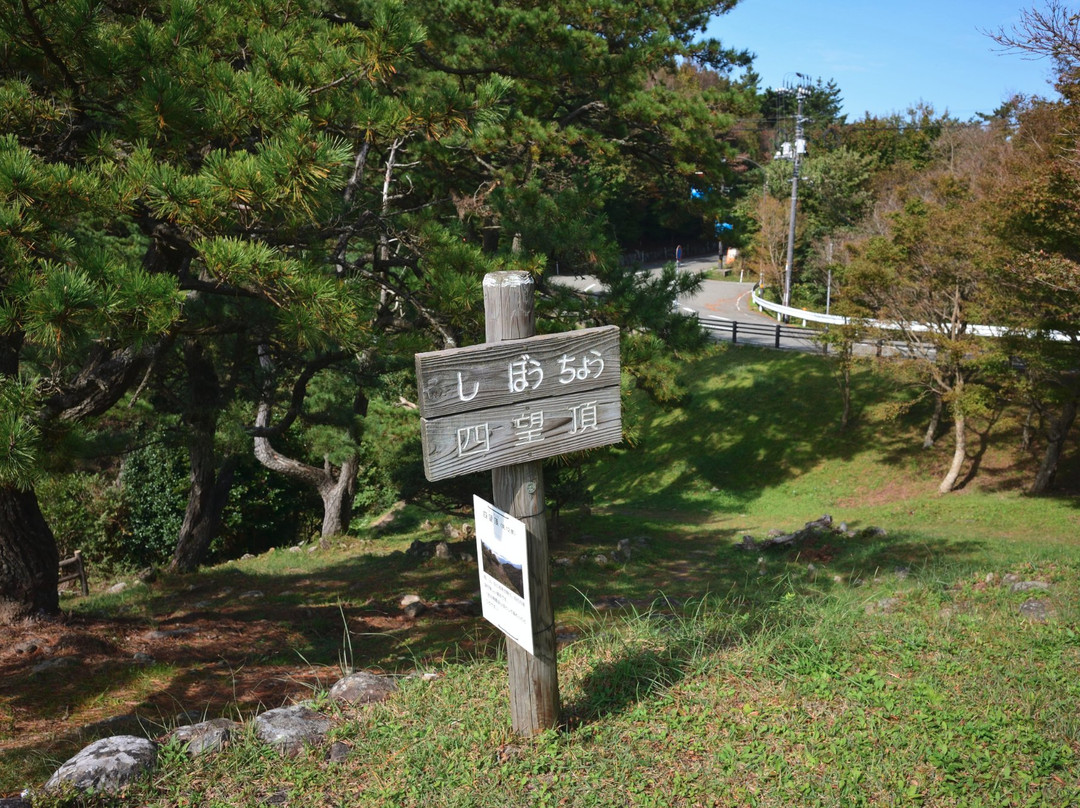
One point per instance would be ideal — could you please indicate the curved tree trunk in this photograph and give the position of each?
(959, 453)
(1059, 429)
(336, 486)
(29, 560)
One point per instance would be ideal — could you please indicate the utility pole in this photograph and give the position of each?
(795, 154)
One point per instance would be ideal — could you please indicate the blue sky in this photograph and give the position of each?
(886, 57)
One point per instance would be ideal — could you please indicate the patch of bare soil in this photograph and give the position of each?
(67, 681)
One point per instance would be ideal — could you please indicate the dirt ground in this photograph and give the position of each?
(67, 681)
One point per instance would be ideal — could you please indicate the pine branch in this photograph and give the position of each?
(47, 48)
(299, 392)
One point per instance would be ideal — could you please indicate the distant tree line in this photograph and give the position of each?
(938, 225)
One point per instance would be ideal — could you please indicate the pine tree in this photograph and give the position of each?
(179, 176)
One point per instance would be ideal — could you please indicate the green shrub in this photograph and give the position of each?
(154, 481)
(85, 512)
(264, 510)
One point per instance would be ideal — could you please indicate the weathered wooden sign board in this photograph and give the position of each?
(503, 406)
(515, 401)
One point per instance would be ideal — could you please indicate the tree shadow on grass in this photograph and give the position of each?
(682, 634)
(752, 420)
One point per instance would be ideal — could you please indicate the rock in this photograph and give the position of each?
(991, 578)
(296, 548)
(414, 609)
(107, 765)
(246, 557)
(30, 645)
(339, 752)
(872, 532)
(147, 575)
(407, 600)
(883, 606)
(601, 559)
(362, 688)
(207, 736)
(15, 802)
(623, 549)
(902, 573)
(57, 663)
(1028, 586)
(290, 728)
(1037, 611)
(168, 633)
(442, 551)
(421, 549)
(117, 588)
(564, 562)
(253, 594)
(1010, 578)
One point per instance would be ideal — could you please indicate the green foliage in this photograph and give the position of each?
(19, 435)
(264, 510)
(87, 512)
(154, 483)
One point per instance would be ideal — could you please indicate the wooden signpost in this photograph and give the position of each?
(504, 406)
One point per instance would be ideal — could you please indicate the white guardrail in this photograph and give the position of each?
(836, 319)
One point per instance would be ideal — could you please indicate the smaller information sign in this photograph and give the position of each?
(502, 550)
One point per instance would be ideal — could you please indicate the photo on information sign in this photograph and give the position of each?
(502, 546)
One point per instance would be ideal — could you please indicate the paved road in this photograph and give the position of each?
(727, 299)
(722, 300)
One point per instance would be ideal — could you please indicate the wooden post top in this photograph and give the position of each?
(508, 306)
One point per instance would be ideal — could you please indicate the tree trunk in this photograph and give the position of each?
(29, 560)
(206, 501)
(935, 422)
(959, 453)
(336, 487)
(1025, 437)
(209, 490)
(337, 497)
(845, 383)
(1058, 432)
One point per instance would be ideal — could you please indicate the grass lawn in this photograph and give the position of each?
(892, 667)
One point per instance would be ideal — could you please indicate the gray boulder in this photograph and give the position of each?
(207, 736)
(107, 765)
(362, 688)
(1037, 611)
(290, 728)
(1029, 586)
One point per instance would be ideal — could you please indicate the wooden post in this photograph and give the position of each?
(519, 490)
